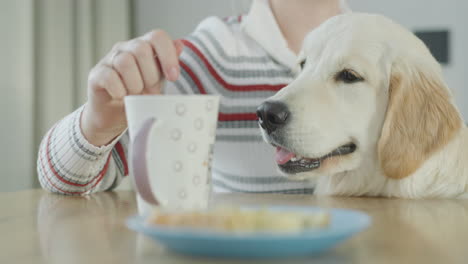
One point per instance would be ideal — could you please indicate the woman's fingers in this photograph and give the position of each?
(126, 66)
(179, 47)
(139, 65)
(144, 55)
(166, 53)
(103, 77)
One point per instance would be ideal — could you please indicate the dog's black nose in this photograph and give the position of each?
(272, 115)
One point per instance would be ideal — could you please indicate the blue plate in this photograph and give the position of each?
(189, 241)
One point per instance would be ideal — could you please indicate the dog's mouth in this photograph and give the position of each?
(290, 163)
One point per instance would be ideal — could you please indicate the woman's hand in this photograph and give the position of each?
(137, 66)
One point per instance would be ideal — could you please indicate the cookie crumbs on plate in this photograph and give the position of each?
(242, 220)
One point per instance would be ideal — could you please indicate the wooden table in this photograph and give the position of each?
(37, 227)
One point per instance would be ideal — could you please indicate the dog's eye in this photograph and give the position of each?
(302, 63)
(348, 76)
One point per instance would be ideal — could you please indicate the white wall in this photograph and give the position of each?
(433, 14)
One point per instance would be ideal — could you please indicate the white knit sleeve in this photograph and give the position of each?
(68, 164)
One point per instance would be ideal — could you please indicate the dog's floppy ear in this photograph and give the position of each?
(420, 119)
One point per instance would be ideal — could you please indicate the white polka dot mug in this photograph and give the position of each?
(171, 144)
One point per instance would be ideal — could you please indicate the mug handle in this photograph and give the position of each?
(139, 165)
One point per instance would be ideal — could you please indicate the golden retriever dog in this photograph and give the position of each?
(369, 114)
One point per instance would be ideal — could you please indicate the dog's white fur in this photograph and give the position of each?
(411, 140)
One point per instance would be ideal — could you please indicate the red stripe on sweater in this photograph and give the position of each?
(103, 172)
(60, 189)
(49, 161)
(121, 153)
(50, 182)
(228, 86)
(237, 117)
(194, 77)
(222, 116)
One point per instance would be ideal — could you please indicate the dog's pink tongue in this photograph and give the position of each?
(282, 156)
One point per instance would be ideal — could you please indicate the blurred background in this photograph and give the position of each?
(47, 48)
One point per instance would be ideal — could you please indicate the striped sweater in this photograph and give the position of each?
(233, 58)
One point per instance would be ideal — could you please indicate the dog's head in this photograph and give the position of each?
(368, 91)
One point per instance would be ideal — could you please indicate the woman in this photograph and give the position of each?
(243, 59)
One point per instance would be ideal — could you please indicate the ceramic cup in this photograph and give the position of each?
(171, 144)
